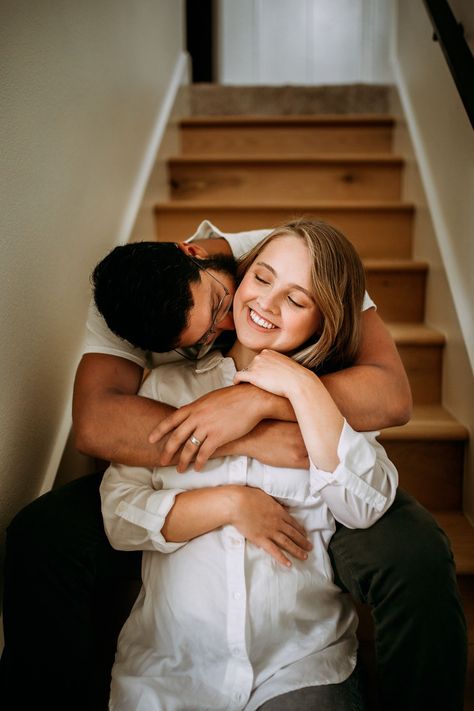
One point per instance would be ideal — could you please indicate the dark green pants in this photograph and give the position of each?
(67, 592)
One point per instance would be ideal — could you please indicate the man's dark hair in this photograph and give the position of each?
(142, 290)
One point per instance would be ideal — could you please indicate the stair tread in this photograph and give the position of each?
(288, 120)
(415, 334)
(428, 422)
(359, 158)
(360, 206)
(461, 534)
(393, 264)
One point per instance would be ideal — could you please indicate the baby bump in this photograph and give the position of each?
(185, 591)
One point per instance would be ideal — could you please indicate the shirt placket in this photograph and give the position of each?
(239, 673)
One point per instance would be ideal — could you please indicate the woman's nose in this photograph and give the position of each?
(268, 303)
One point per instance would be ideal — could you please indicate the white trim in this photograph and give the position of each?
(129, 217)
(461, 301)
(58, 448)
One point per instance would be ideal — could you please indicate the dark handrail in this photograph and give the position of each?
(450, 35)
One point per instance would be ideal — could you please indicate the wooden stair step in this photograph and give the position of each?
(427, 423)
(247, 135)
(429, 454)
(421, 350)
(398, 287)
(270, 179)
(377, 229)
(289, 120)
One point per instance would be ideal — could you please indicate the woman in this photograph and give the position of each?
(244, 613)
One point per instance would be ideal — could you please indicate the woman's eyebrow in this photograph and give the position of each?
(293, 286)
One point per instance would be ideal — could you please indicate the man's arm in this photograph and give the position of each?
(374, 393)
(110, 420)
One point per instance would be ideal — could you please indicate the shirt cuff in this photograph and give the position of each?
(153, 517)
(357, 458)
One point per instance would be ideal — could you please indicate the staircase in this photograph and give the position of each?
(248, 172)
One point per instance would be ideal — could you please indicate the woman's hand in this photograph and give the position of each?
(267, 524)
(274, 372)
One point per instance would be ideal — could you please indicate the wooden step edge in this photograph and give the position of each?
(395, 265)
(461, 534)
(415, 334)
(347, 205)
(287, 120)
(429, 422)
(315, 158)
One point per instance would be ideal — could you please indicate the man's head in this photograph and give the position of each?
(159, 295)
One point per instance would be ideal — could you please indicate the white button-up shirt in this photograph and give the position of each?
(218, 623)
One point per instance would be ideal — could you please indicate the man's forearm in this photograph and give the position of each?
(116, 428)
(369, 398)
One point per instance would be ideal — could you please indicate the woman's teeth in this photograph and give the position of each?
(260, 321)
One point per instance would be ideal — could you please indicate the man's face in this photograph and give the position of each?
(210, 299)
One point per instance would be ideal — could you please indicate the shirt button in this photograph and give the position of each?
(236, 596)
(238, 696)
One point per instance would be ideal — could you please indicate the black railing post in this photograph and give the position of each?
(450, 35)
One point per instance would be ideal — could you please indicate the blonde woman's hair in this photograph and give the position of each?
(338, 281)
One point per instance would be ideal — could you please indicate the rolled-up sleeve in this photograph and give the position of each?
(134, 509)
(363, 485)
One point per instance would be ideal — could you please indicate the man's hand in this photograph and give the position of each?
(267, 524)
(215, 420)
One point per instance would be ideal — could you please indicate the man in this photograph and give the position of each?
(58, 560)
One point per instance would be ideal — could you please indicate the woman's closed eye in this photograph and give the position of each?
(261, 280)
(295, 303)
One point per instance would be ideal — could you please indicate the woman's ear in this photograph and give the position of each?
(193, 250)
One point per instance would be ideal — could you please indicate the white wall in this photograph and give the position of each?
(303, 41)
(443, 140)
(84, 89)
(436, 140)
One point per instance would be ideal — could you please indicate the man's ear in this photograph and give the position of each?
(193, 249)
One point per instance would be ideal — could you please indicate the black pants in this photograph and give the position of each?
(67, 592)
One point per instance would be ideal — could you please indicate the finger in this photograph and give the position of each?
(179, 438)
(300, 539)
(188, 453)
(273, 550)
(290, 521)
(167, 425)
(286, 544)
(205, 451)
(242, 376)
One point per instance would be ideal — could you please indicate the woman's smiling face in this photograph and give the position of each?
(274, 306)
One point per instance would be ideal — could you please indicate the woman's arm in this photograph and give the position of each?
(256, 515)
(138, 516)
(348, 469)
